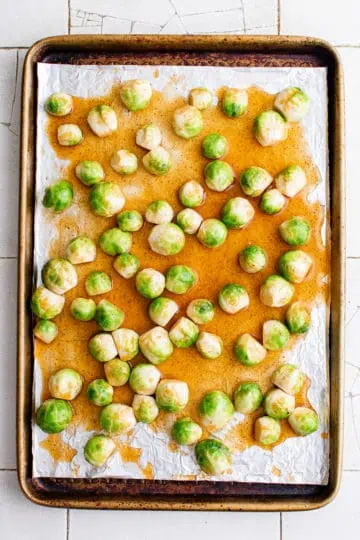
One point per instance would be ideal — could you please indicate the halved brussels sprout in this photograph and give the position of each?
(201, 311)
(117, 372)
(108, 316)
(83, 309)
(189, 220)
(289, 378)
(191, 194)
(272, 202)
(59, 104)
(100, 393)
(184, 333)
(166, 239)
(149, 137)
(126, 265)
(254, 181)
(298, 318)
(127, 343)
(295, 265)
(291, 180)
(46, 331)
(233, 298)
(98, 283)
(276, 291)
(267, 430)
(45, 304)
(270, 128)
(187, 122)
(159, 212)
(248, 350)
(65, 384)
(130, 220)
(145, 409)
(253, 259)
(162, 310)
(235, 102)
(213, 456)
(136, 94)
(69, 135)
(81, 250)
(54, 415)
(59, 196)
(114, 241)
(292, 103)
(157, 161)
(215, 410)
(278, 404)
(89, 172)
(102, 347)
(155, 345)
(275, 335)
(212, 233)
(237, 213)
(144, 379)
(214, 146)
(295, 231)
(209, 345)
(248, 397)
(150, 283)
(186, 431)
(59, 276)
(304, 421)
(98, 449)
(219, 175)
(117, 419)
(201, 98)
(102, 120)
(124, 162)
(106, 199)
(172, 395)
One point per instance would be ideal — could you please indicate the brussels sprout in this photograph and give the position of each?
(150, 283)
(124, 162)
(278, 404)
(59, 196)
(98, 283)
(219, 175)
(237, 213)
(69, 135)
(214, 146)
(89, 172)
(201, 98)
(65, 384)
(59, 104)
(189, 220)
(248, 397)
(292, 103)
(59, 276)
(233, 298)
(270, 128)
(235, 102)
(184, 333)
(46, 331)
(201, 311)
(155, 345)
(145, 409)
(106, 199)
(272, 202)
(114, 241)
(249, 351)
(136, 94)
(298, 318)
(186, 431)
(81, 250)
(102, 120)
(215, 410)
(291, 180)
(304, 421)
(213, 456)
(157, 161)
(295, 231)
(187, 122)
(159, 212)
(289, 378)
(149, 137)
(117, 419)
(267, 430)
(102, 347)
(172, 395)
(45, 304)
(117, 372)
(275, 335)
(254, 181)
(166, 239)
(295, 265)
(127, 343)
(83, 309)
(276, 291)
(191, 194)
(98, 449)
(253, 259)
(129, 221)
(108, 316)
(180, 278)
(212, 233)
(54, 415)
(126, 265)
(209, 345)
(162, 310)
(99, 392)
(144, 379)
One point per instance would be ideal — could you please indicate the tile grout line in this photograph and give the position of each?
(67, 524)
(281, 526)
(278, 17)
(69, 16)
(7, 470)
(8, 258)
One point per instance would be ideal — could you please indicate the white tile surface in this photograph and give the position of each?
(188, 7)
(158, 12)
(222, 21)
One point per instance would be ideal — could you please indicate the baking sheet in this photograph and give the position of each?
(299, 460)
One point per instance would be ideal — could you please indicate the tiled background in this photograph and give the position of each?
(21, 23)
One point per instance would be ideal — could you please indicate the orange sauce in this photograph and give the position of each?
(58, 449)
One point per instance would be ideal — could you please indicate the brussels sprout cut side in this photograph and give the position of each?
(270, 128)
(235, 102)
(126, 265)
(215, 410)
(117, 419)
(172, 395)
(117, 372)
(166, 239)
(275, 335)
(191, 194)
(106, 199)
(149, 137)
(108, 316)
(249, 351)
(127, 343)
(219, 175)
(65, 384)
(58, 196)
(187, 122)
(289, 378)
(278, 404)
(83, 309)
(186, 431)
(98, 450)
(179, 279)
(295, 231)
(292, 103)
(291, 180)
(237, 213)
(59, 276)
(144, 379)
(209, 345)
(253, 259)
(46, 331)
(102, 347)
(157, 161)
(184, 333)
(54, 415)
(155, 345)
(304, 421)
(213, 456)
(247, 398)
(162, 310)
(69, 135)
(145, 409)
(59, 104)
(150, 283)
(298, 318)
(136, 94)
(159, 212)
(201, 98)
(81, 250)
(267, 430)
(189, 220)
(46, 304)
(102, 120)
(124, 162)
(295, 265)
(233, 298)
(201, 311)
(276, 291)
(254, 181)
(272, 202)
